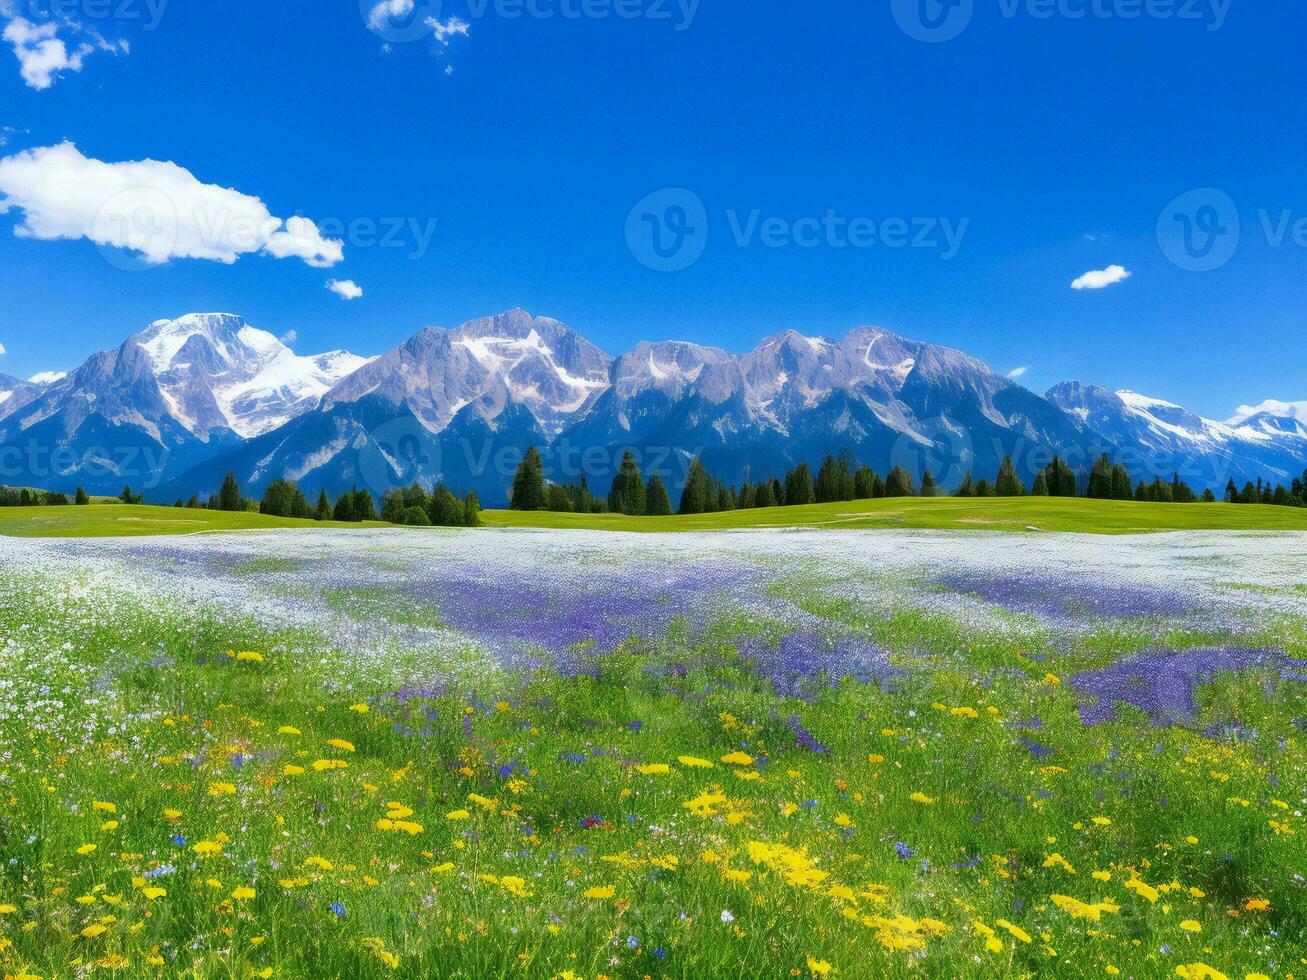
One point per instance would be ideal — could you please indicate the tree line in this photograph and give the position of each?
(840, 479)
(412, 505)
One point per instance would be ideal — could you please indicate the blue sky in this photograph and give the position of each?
(1051, 145)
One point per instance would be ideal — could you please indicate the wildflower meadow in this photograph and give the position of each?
(583, 755)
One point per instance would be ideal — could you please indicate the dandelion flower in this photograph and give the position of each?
(694, 762)
(243, 893)
(601, 892)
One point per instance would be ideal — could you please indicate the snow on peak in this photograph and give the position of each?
(1272, 407)
(1143, 402)
(255, 381)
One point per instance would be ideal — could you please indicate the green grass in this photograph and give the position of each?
(121, 520)
(993, 514)
(1024, 514)
(552, 825)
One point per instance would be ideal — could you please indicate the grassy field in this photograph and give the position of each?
(121, 520)
(193, 795)
(998, 514)
(1025, 514)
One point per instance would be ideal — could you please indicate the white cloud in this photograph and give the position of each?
(446, 29)
(290, 336)
(388, 10)
(1286, 410)
(1017, 372)
(345, 288)
(43, 55)
(2, 350)
(1102, 278)
(47, 377)
(156, 209)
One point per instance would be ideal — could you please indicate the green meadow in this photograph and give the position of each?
(1023, 514)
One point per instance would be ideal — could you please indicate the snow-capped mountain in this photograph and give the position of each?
(177, 406)
(458, 405)
(1155, 436)
(216, 372)
(169, 396)
(16, 393)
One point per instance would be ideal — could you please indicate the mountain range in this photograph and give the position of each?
(178, 405)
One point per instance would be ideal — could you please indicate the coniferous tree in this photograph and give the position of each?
(82, 498)
(283, 499)
(763, 495)
(445, 510)
(1208, 496)
(1040, 487)
(193, 503)
(721, 497)
(928, 486)
(694, 498)
(985, 489)
(344, 509)
(1231, 492)
(1121, 483)
(323, 511)
(967, 488)
(1100, 479)
(656, 501)
(413, 517)
(393, 506)
(529, 483)
(558, 499)
(363, 508)
(229, 497)
(1007, 483)
(746, 497)
(798, 486)
(899, 483)
(471, 510)
(834, 480)
(864, 483)
(627, 493)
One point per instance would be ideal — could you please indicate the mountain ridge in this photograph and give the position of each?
(206, 393)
